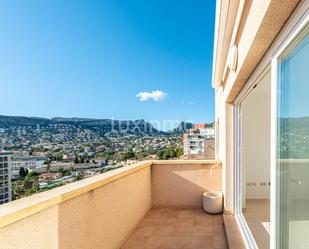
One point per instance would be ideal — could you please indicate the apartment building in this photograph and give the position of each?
(5, 178)
(261, 60)
(26, 162)
(199, 142)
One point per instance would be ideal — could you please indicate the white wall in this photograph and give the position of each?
(256, 140)
(224, 147)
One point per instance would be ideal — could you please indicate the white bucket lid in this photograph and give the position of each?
(213, 194)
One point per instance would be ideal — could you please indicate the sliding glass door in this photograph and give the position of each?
(292, 169)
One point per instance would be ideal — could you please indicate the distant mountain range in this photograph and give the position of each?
(296, 123)
(106, 125)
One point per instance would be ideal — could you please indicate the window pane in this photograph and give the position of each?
(293, 146)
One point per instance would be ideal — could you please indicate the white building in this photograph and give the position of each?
(26, 162)
(197, 142)
(5, 177)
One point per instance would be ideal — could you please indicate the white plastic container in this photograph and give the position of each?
(213, 202)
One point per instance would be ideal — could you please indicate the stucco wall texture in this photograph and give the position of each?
(36, 231)
(182, 184)
(101, 218)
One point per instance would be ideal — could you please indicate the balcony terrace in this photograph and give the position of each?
(153, 204)
(175, 228)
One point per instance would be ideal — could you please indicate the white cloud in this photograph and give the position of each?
(191, 103)
(154, 95)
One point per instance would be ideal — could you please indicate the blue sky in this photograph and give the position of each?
(91, 58)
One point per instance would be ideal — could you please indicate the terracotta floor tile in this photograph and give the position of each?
(150, 222)
(167, 221)
(220, 242)
(163, 231)
(179, 242)
(185, 221)
(203, 220)
(178, 228)
(156, 213)
(217, 218)
(171, 213)
(189, 213)
(218, 229)
(202, 230)
(135, 242)
(202, 242)
(182, 230)
(158, 242)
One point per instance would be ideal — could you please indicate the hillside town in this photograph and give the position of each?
(40, 156)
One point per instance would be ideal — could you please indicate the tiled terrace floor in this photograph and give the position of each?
(178, 228)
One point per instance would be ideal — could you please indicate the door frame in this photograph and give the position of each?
(238, 182)
(275, 62)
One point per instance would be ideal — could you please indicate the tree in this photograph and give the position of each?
(160, 154)
(17, 189)
(179, 152)
(76, 161)
(64, 172)
(106, 155)
(61, 171)
(23, 172)
(127, 155)
(169, 153)
(26, 186)
(79, 176)
(32, 174)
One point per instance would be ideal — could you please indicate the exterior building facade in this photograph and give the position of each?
(5, 177)
(26, 162)
(199, 143)
(261, 58)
